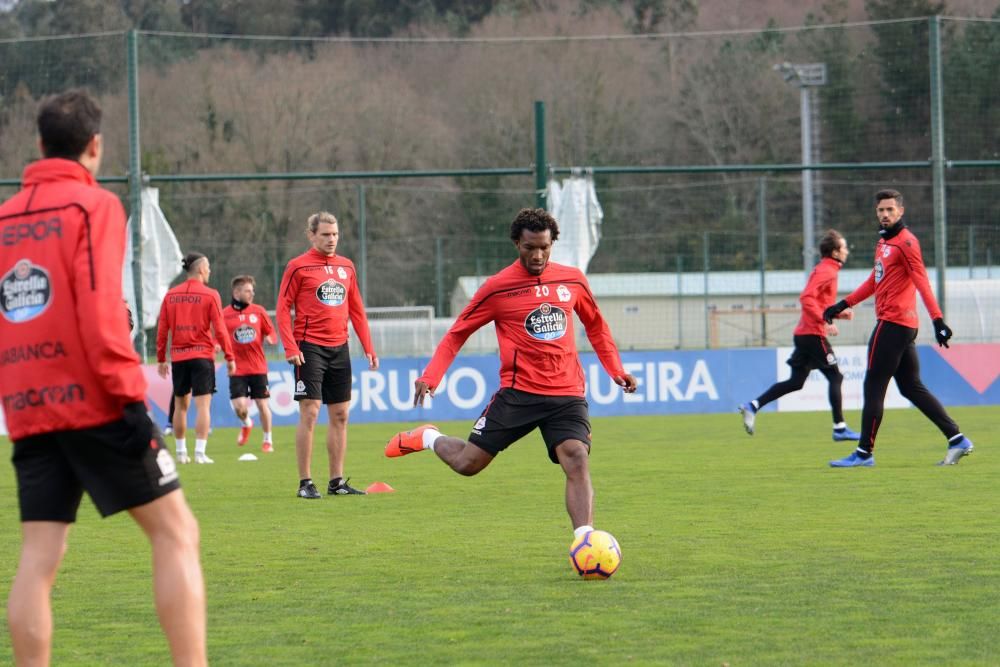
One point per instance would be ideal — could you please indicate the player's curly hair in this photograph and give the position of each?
(534, 220)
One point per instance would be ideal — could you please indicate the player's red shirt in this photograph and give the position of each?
(190, 313)
(248, 327)
(898, 274)
(533, 316)
(323, 292)
(66, 357)
(819, 294)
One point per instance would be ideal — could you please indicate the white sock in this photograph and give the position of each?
(248, 421)
(839, 425)
(182, 445)
(267, 436)
(955, 438)
(755, 404)
(430, 435)
(577, 532)
(200, 445)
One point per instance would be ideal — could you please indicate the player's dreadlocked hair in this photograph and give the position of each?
(534, 220)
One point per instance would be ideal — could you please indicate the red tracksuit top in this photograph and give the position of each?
(247, 329)
(898, 274)
(66, 357)
(533, 316)
(187, 312)
(819, 294)
(324, 293)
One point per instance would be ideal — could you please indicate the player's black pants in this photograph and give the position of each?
(892, 354)
(798, 380)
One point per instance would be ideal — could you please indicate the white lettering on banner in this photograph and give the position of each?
(635, 368)
(701, 382)
(401, 393)
(662, 381)
(372, 386)
(594, 375)
(479, 385)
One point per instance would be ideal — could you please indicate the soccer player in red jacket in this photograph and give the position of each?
(812, 348)
(249, 326)
(322, 288)
(531, 303)
(191, 315)
(898, 275)
(73, 390)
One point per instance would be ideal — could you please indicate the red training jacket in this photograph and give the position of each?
(189, 313)
(66, 357)
(533, 316)
(247, 329)
(324, 293)
(819, 294)
(898, 274)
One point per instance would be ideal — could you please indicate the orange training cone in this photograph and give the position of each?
(379, 487)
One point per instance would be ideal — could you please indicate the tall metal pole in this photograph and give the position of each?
(541, 160)
(363, 237)
(938, 161)
(135, 184)
(808, 202)
(762, 226)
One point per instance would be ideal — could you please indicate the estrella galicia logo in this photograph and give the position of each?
(879, 271)
(25, 292)
(331, 293)
(546, 322)
(245, 334)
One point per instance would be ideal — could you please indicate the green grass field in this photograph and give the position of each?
(737, 550)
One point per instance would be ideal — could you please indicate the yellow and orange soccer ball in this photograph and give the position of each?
(595, 555)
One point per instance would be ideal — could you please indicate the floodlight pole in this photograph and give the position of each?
(806, 77)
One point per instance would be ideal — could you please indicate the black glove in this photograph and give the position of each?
(941, 332)
(836, 309)
(142, 427)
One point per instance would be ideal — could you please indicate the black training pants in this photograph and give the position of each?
(893, 354)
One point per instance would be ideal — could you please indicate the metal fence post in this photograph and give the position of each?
(937, 160)
(135, 184)
(707, 267)
(541, 160)
(439, 274)
(363, 238)
(762, 226)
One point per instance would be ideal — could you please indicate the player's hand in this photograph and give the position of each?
(831, 330)
(847, 314)
(296, 359)
(627, 382)
(942, 332)
(231, 367)
(163, 369)
(831, 313)
(420, 390)
(372, 362)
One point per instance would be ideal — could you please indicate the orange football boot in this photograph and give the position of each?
(407, 442)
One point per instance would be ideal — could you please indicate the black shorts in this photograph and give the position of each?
(812, 352)
(325, 375)
(254, 386)
(118, 473)
(512, 414)
(193, 376)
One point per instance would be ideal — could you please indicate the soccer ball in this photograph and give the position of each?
(595, 555)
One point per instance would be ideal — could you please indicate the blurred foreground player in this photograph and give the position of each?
(73, 390)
